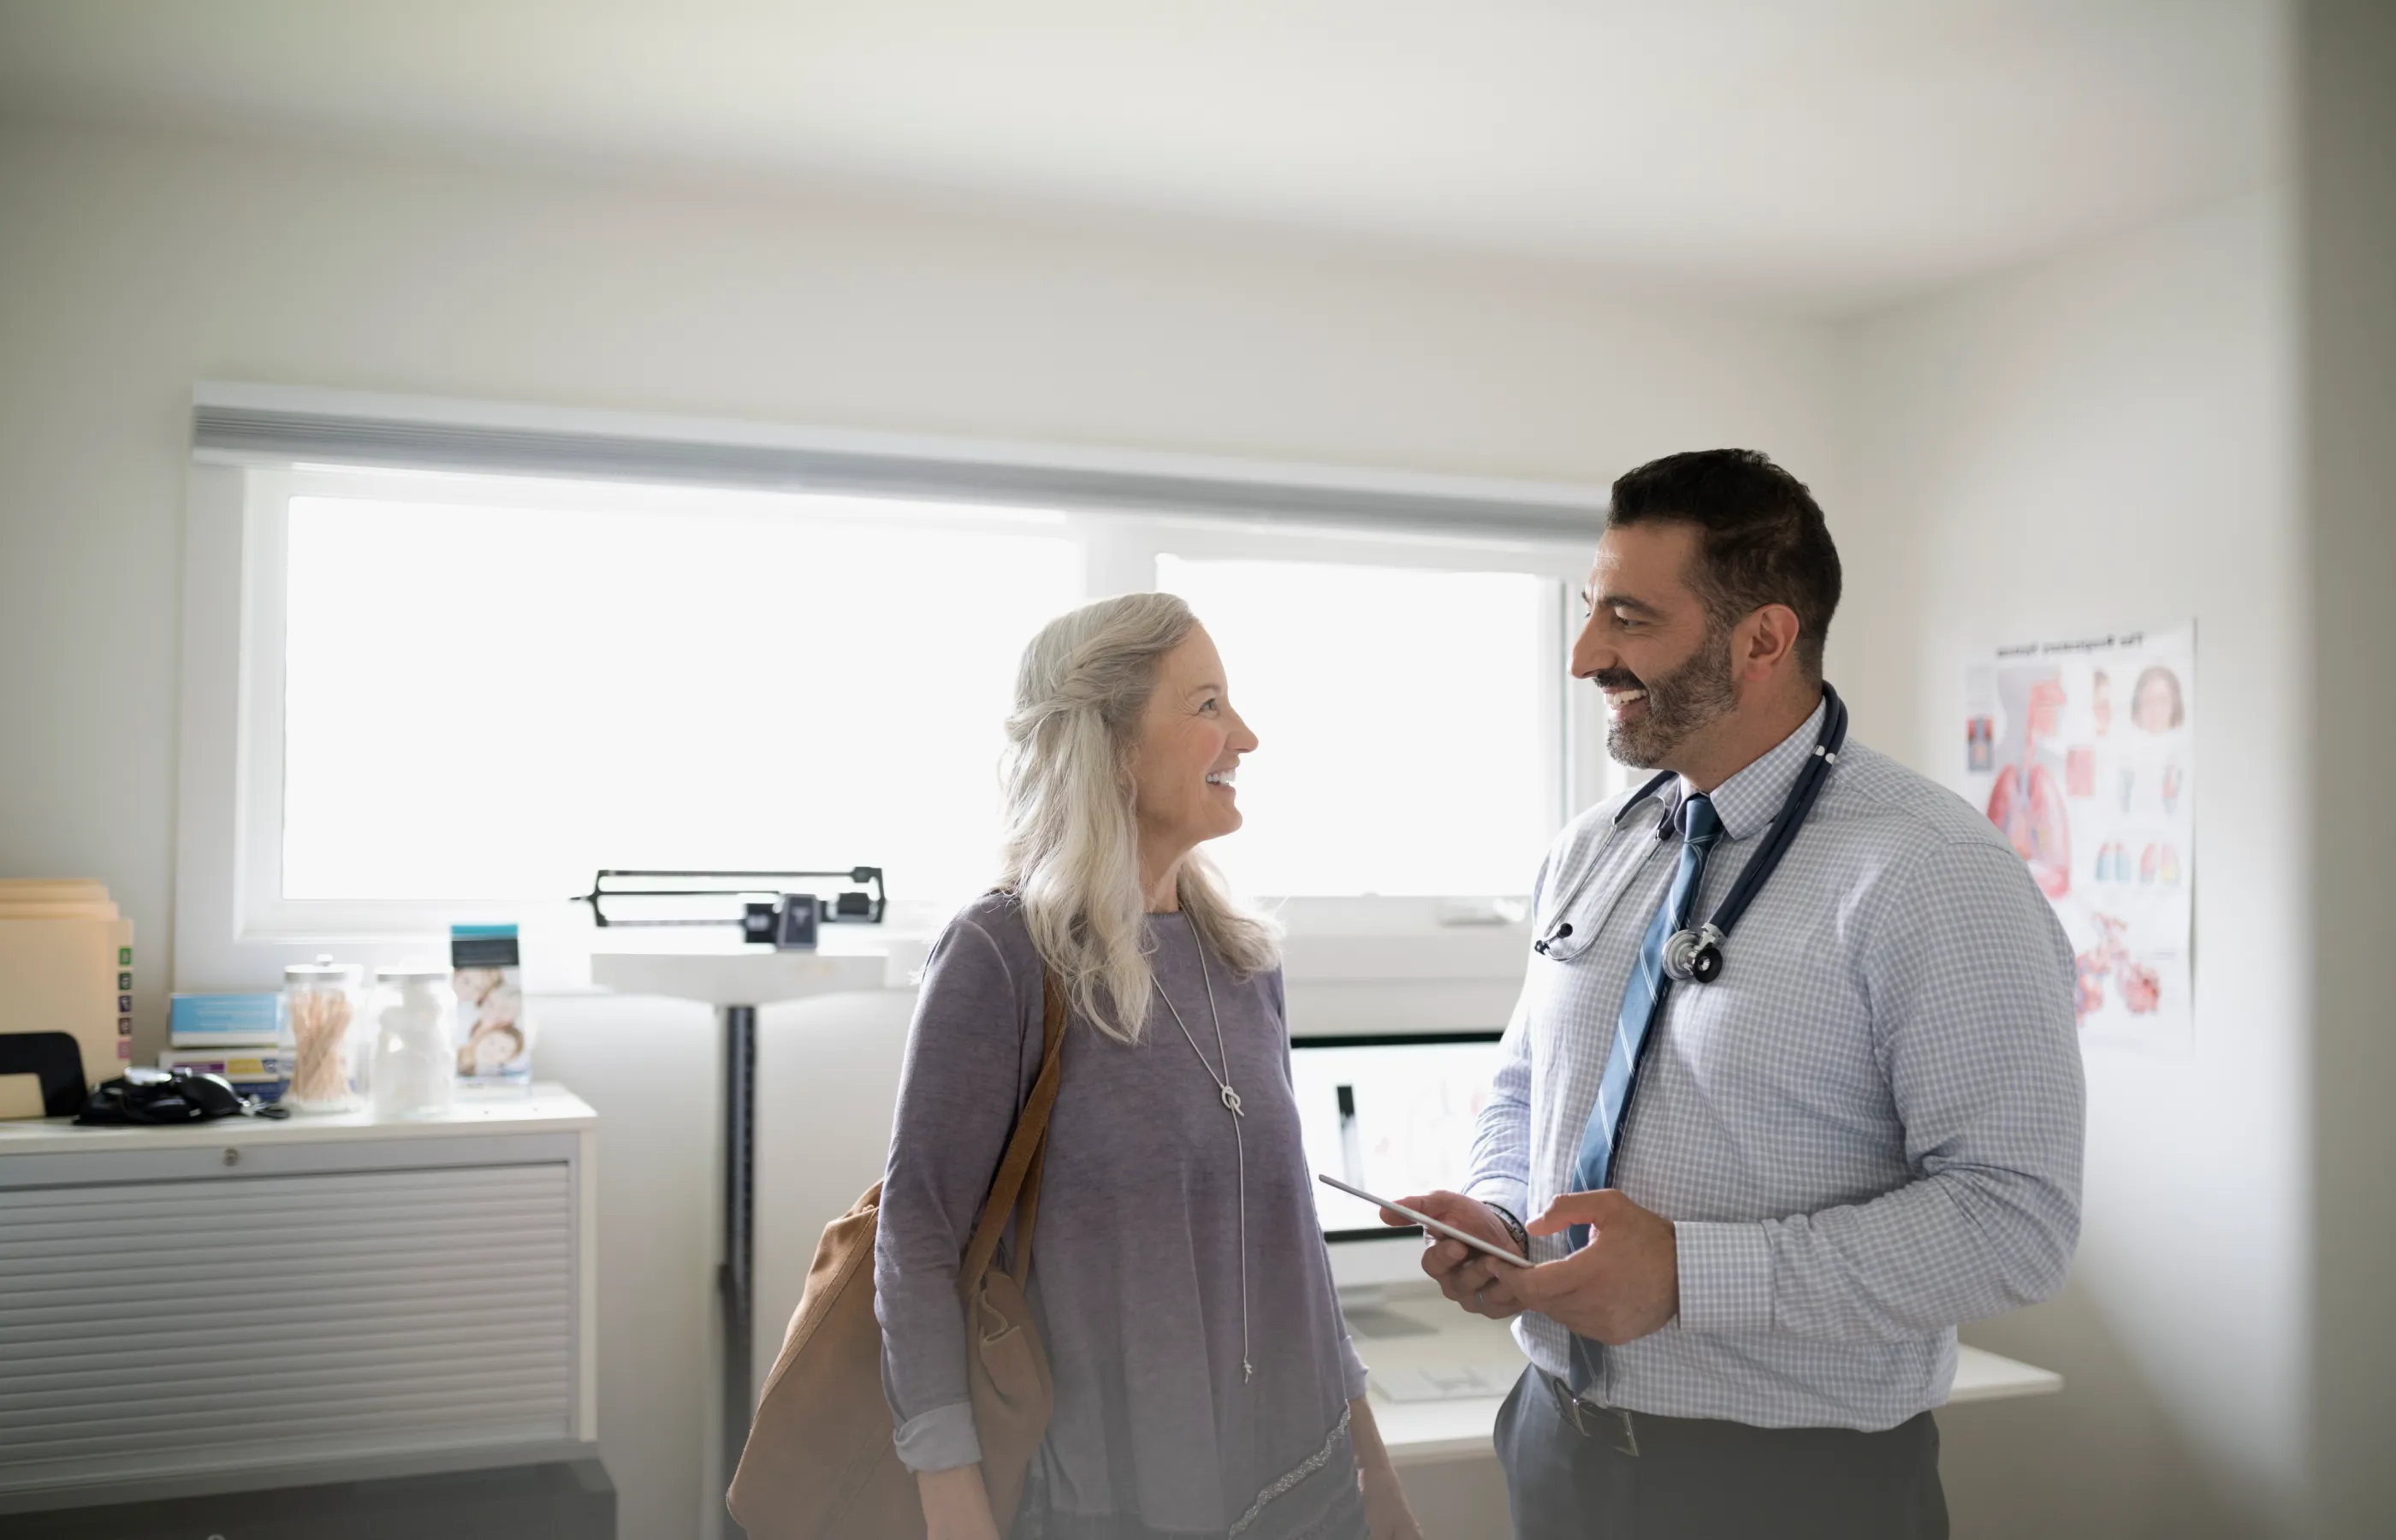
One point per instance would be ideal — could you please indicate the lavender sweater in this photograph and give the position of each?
(1136, 1264)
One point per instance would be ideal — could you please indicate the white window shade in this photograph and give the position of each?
(283, 426)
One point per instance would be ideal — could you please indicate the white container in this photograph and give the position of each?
(326, 1034)
(416, 1055)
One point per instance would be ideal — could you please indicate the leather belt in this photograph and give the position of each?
(1612, 1425)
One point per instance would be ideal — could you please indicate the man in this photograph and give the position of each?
(1760, 1204)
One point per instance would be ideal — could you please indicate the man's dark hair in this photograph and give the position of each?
(1761, 539)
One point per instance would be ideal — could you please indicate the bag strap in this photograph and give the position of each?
(1016, 1188)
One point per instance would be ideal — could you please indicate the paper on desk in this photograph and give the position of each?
(20, 1096)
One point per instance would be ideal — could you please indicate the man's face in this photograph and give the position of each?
(1649, 645)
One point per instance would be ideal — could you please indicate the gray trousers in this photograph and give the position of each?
(1579, 1472)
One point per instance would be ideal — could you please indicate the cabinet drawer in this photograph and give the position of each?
(164, 1323)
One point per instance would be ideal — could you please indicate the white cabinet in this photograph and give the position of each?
(254, 1302)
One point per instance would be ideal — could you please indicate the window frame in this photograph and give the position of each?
(235, 929)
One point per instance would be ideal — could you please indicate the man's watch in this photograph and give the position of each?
(1514, 1228)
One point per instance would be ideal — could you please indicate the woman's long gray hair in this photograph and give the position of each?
(1072, 850)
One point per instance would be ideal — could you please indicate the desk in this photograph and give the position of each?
(1420, 1431)
(495, 1109)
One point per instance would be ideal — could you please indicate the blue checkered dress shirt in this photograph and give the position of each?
(1867, 1131)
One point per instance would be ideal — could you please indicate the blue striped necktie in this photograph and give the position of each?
(1641, 997)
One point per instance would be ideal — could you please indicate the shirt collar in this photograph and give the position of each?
(1750, 799)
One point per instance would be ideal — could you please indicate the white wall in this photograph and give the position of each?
(649, 1067)
(2348, 66)
(2107, 441)
(132, 264)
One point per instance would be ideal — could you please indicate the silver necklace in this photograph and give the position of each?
(1231, 1105)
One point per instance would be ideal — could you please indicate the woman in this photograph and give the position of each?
(1204, 1386)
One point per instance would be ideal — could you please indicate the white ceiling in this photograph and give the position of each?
(1829, 155)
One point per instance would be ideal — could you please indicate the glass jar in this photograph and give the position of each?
(416, 1049)
(325, 1036)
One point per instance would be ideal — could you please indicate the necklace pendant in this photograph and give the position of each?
(1231, 1100)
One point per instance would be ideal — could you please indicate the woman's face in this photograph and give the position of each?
(1189, 745)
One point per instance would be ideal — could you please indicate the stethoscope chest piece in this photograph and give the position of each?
(1694, 954)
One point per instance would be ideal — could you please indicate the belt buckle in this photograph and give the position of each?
(1612, 1424)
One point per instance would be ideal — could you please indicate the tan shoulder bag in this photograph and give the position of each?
(820, 1463)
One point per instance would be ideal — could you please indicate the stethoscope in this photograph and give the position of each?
(1696, 956)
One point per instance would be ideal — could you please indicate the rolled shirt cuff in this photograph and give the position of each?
(941, 1438)
(1726, 1276)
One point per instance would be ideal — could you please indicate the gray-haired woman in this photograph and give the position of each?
(1205, 1385)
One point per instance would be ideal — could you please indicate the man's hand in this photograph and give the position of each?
(1480, 1284)
(1625, 1283)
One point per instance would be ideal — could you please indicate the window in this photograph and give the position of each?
(414, 697)
(491, 694)
(1407, 719)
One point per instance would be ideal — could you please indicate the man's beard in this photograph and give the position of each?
(1695, 695)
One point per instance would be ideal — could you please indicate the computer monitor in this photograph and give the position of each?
(1394, 1114)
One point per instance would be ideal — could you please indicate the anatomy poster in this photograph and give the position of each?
(2081, 749)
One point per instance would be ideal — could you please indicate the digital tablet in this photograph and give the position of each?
(1427, 1222)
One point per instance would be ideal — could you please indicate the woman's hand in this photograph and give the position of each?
(956, 1506)
(1386, 1514)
